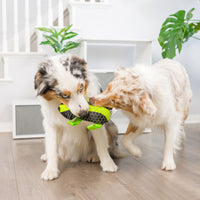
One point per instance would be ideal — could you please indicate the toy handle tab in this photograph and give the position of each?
(94, 126)
(75, 122)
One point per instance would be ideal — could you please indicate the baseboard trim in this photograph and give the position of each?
(5, 127)
(192, 119)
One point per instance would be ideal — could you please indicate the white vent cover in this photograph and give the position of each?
(27, 119)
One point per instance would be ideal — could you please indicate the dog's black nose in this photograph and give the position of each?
(83, 113)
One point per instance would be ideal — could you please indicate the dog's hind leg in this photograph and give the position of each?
(43, 157)
(101, 142)
(93, 156)
(127, 141)
(112, 133)
(172, 131)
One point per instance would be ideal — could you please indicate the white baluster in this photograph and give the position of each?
(27, 28)
(39, 23)
(39, 16)
(60, 13)
(16, 33)
(4, 26)
(50, 13)
(6, 70)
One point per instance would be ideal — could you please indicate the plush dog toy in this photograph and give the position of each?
(97, 115)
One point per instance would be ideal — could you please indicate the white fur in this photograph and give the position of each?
(72, 143)
(151, 96)
(168, 84)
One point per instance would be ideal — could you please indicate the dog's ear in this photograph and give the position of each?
(146, 105)
(43, 81)
(78, 67)
(78, 62)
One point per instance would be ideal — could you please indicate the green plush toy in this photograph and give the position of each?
(97, 115)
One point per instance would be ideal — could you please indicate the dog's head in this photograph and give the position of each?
(64, 80)
(126, 92)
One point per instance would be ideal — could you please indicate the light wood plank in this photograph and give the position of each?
(8, 184)
(186, 178)
(77, 181)
(137, 178)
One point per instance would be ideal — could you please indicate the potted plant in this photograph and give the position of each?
(176, 30)
(60, 41)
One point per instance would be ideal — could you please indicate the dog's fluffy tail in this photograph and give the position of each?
(115, 149)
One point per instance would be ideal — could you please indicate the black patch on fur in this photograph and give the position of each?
(78, 64)
(65, 63)
(43, 82)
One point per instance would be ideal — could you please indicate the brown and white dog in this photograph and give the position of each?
(66, 80)
(157, 95)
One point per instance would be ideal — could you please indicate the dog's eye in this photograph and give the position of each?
(65, 96)
(81, 88)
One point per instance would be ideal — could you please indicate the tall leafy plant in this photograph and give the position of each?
(59, 41)
(176, 30)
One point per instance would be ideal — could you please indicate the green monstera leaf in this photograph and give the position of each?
(175, 31)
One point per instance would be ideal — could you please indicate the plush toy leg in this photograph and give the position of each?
(101, 142)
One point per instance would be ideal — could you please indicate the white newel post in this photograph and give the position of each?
(16, 34)
(4, 26)
(27, 27)
(144, 53)
(83, 50)
(60, 13)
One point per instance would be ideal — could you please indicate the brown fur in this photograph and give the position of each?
(49, 95)
(66, 92)
(131, 129)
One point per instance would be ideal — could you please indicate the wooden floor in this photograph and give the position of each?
(137, 178)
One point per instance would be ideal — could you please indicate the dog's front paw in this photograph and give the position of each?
(109, 166)
(93, 157)
(50, 174)
(43, 157)
(136, 151)
(168, 165)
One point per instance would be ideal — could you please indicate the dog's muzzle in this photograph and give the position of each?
(83, 113)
